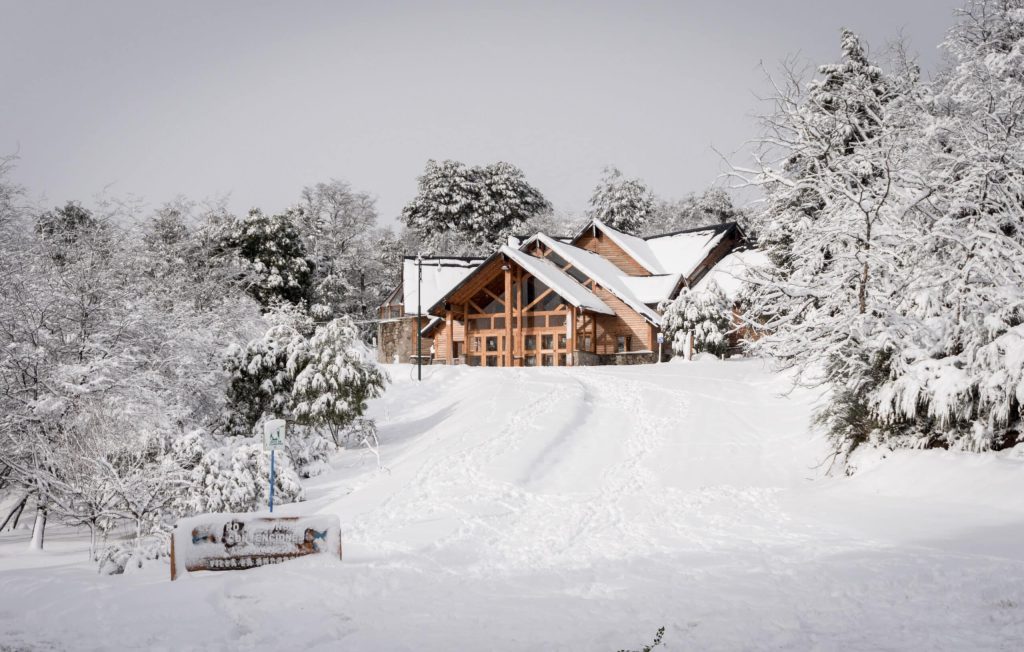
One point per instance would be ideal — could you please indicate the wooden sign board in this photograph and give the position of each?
(221, 542)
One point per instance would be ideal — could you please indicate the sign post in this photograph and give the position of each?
(661, 340)
(273, 440)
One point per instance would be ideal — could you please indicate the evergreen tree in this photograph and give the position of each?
(470, 210)
(623, 204)
(271, 249)
(706, 313)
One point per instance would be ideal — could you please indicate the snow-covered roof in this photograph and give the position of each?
(564, 285)
(730, 272)
(682, 253)
(637, 248)
(672, 253)
(440, 275)
(605, 273)
(652, 289)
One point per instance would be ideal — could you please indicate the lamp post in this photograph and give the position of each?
(419, 317)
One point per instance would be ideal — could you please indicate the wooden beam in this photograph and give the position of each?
(571, 344)
(451, 332)
(508, 314)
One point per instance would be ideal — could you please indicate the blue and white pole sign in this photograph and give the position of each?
(661, 340)
(273, 441)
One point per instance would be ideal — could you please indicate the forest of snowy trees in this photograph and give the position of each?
(141, 350)
(894, 213)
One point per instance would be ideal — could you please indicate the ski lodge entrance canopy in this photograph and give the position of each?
(590, 299)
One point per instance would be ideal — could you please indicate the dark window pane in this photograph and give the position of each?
(476, 345)
(547, 342)
(547, 360)
(557, 260)
(530, 361)
(481, 323)
(530, 342)
(561, 340)
(621, 344)
(492, 343)
(492, 361)
(561, 359)
(587, 343)
(499, 322)
(534, 321)
(473, 360)
(533, 289)
(487, 303)
(549, 302)
(576, 274)
(556, 320)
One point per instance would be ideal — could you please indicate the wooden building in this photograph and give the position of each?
(589, 299)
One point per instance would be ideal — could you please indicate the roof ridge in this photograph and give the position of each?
(720, 226)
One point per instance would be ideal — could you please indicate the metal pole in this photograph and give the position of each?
(271, 480)
(419, 317)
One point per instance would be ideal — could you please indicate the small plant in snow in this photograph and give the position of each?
(706, 313)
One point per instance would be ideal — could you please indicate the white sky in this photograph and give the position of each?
(257, 99)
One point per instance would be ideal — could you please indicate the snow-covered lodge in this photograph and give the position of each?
(589, 299)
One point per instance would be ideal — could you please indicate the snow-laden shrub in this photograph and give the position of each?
(706, 313)
(231, 474)
(261, 376)
(127, 556)
(338, 378)
(308, 450)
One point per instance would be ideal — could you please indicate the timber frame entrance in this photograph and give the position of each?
(504, 316)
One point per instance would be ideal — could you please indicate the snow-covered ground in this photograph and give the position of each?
(582, 509)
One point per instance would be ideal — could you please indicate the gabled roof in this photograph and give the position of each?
(636, 247)
(604, 273)
(563, 285)
(440, 276)
(679, 252)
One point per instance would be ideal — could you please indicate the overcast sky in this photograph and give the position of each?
(257, 99)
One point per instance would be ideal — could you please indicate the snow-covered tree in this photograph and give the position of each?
(706, 314)
(261, 376)
(713, 206)
(462, 209)
(955, 373)
(621, 203)
(271, 249)
(841, 184)
(338, 378)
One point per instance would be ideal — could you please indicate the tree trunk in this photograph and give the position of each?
(17, 510)
(38, 529)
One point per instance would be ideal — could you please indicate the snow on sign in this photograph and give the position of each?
(273, 434)
(217, 542)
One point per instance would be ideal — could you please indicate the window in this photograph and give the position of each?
(492, 344)
(476, 345)
(534, 321)
(576, 274)
(556, 320)
(561, 340)
(530, 342)
(499, 322)
(488, 304)
(473, 360)
(587, 343)
(550, 302)
(530, 361)
(557, 260)
(561, 359)
(547, 360)
(622, 343)
(547, 342)
(481, 323)
(492, 361)
(532, 288)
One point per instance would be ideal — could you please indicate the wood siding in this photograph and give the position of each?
(603, 246)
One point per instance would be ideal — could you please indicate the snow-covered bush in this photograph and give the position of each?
(338, 377)
(308, 450)
(706, 313)
(232, 474)
(127, 556)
